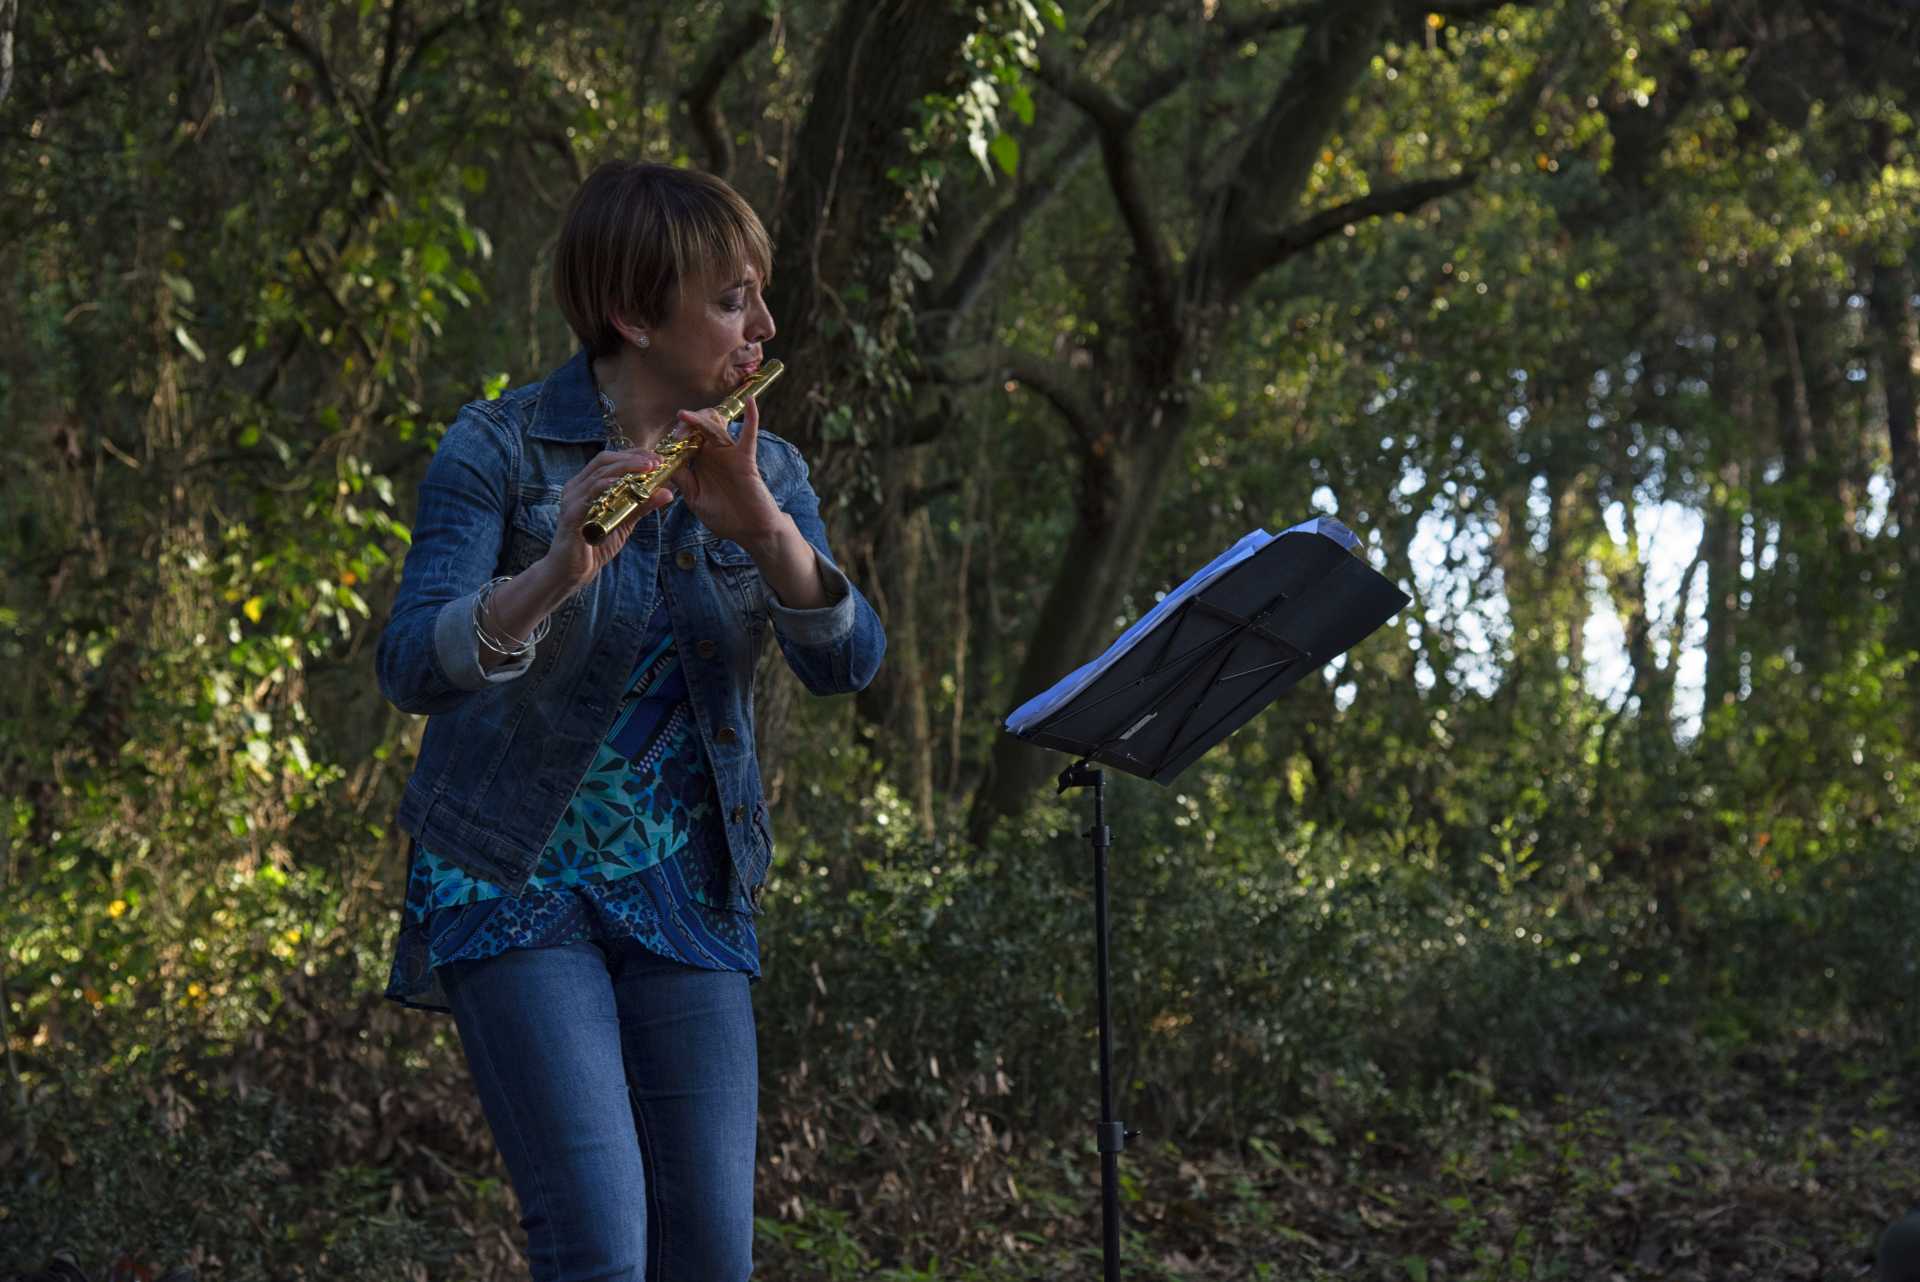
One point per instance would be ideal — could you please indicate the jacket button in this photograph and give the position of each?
(725, 734)
(707, 649)
(684, 560)
(739, 814)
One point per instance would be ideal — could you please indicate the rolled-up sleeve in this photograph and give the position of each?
(835, 648)
(428, 659)
(457, 647)
(830, 624)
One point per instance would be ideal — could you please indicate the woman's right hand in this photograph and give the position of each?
(574, 561)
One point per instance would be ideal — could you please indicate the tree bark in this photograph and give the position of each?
(1725, 505)
(893, 557)
(701, 97)
(881, 60)
(1102, 552)
(1792, 406)
(1897, 350)
(830, 251)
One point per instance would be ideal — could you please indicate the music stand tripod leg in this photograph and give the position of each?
(1111, 1134)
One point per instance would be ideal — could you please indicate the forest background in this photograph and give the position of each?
(1563, 929)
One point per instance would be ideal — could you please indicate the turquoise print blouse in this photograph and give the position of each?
(638, 854)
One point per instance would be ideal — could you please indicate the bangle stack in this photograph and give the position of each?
(504, 648)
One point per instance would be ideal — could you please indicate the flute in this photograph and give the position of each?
(630, 493)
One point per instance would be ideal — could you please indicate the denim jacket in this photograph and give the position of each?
(504, 750)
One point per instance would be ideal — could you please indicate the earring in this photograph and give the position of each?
(643, 342)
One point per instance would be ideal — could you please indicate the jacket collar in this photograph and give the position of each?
(568, 405)
(568, 408)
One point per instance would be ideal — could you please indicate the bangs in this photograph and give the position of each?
(721, 246)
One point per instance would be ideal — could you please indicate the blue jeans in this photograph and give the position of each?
(622, 1090)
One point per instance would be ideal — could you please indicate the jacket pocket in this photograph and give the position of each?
(735, 571)
(530, 532)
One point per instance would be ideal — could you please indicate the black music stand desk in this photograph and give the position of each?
(1246, 628)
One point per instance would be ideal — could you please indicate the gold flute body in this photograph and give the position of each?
(619, 501)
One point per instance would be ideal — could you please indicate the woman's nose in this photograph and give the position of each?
(761, 323)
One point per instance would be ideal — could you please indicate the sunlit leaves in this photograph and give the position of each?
(1000, 55)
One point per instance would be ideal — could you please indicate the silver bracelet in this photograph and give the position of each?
(505, 649)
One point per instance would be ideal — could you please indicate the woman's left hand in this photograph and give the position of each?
(722, 483)
(723, 486)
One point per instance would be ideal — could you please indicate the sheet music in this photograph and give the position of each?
(1037, 708)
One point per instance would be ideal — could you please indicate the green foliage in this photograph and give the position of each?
(297, 1126)
(236, 1184)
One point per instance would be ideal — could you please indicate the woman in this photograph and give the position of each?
(590, 840)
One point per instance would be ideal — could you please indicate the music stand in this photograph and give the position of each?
(1229, 641)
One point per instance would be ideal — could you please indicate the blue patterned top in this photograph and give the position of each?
(638, 854)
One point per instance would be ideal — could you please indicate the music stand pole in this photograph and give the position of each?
(1110, 1134)
(1250, 626)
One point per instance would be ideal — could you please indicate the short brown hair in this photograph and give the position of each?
(634, 232)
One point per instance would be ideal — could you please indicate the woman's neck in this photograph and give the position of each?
(644, 411)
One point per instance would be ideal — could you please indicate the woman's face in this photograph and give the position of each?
(711, 342)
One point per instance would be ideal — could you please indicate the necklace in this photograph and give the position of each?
(609, 416)
(616, 438)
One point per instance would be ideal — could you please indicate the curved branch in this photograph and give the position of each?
(984, 255)
(355, 115)
(1257, 254)
(556, 140)
(1113, 119)
(1109, 120)
(1254, 254)
(1058, 385)
(389, 50)
(1113, 122)
(1278, 150)
(1101, 104)
(699, 97)
(347, 320)
(482, 13)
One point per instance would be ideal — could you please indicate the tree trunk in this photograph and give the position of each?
(1897, 349)
(881, 60)
(1098, 561)
(1793, 406)
(893, 558)
(1722, 648)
